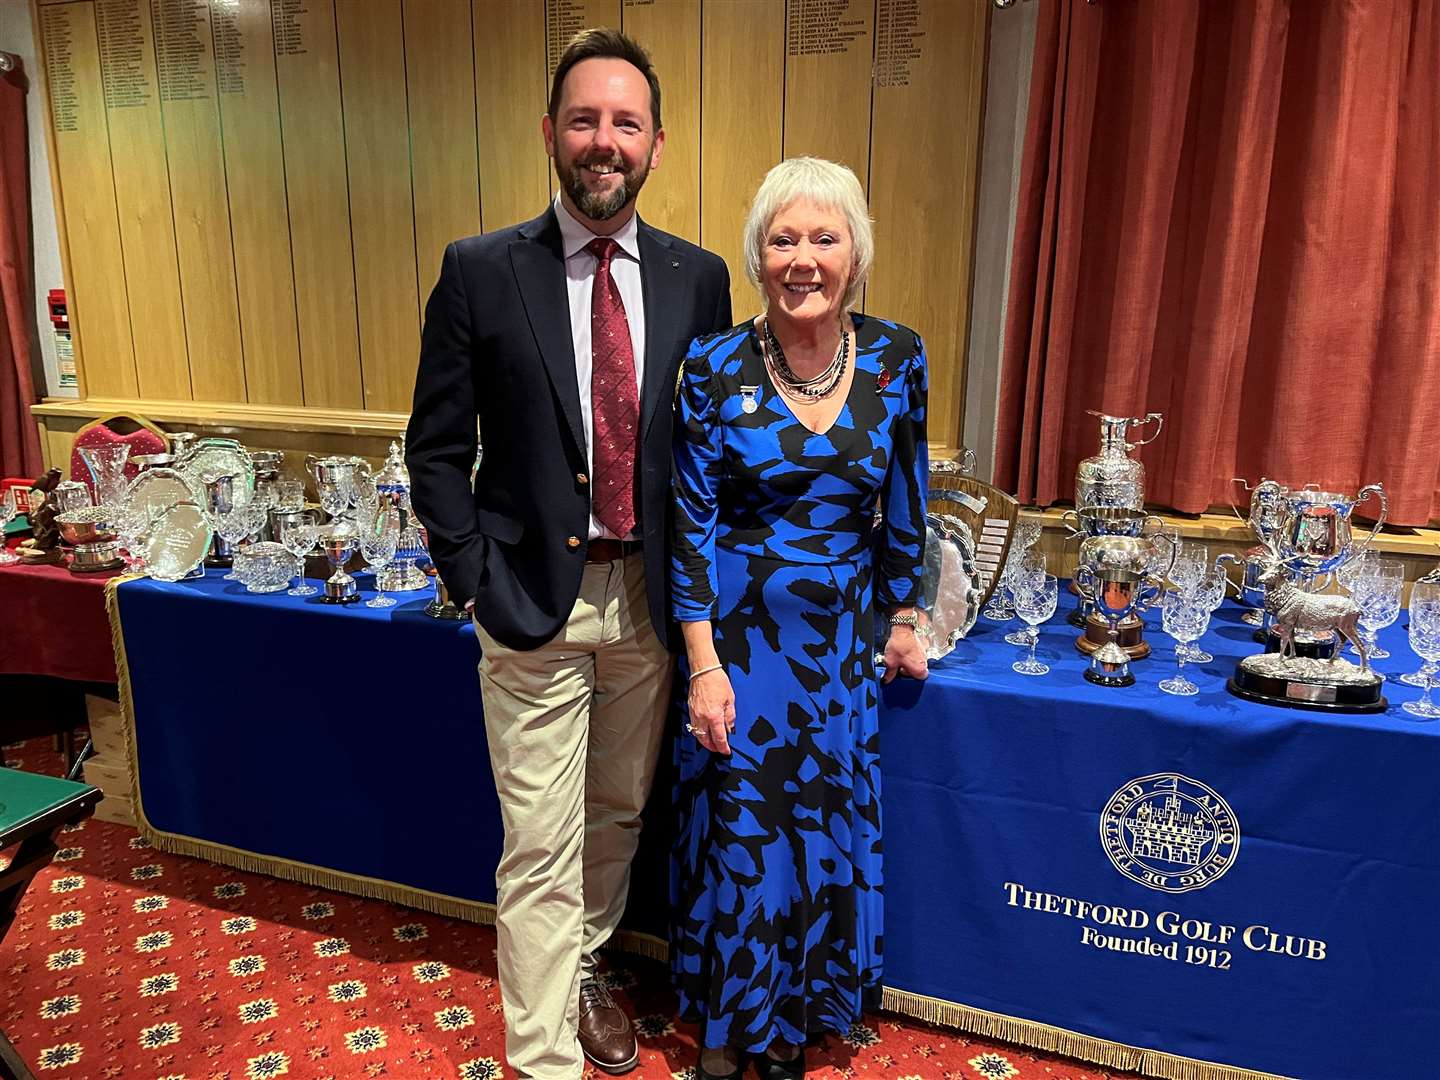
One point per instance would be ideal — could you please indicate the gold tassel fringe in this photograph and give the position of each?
(251, 862)
(1111, 1055)
(1009, 1029)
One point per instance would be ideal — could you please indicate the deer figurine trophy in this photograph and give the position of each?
(1284, 677)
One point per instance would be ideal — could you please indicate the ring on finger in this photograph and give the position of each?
(697, 730)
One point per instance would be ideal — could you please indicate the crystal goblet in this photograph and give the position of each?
(1035, 605)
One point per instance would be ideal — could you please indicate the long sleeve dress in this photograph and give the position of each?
(776, 883)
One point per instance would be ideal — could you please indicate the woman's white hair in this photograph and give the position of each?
(825, 184)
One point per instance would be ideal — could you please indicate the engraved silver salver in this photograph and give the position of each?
(177, 541)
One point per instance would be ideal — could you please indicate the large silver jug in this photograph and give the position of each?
(1112, 477)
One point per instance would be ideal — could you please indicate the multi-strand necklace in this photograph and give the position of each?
(823, 384)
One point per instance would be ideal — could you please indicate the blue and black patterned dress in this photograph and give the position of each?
(776, 885)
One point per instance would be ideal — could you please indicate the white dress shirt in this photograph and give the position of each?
(580, 268)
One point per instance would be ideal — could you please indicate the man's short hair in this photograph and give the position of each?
(603, 41)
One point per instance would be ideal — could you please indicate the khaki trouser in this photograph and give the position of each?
(574, 729)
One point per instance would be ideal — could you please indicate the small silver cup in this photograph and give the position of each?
(339, 543)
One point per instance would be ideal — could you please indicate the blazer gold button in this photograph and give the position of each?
(581, 478)
(572, 543)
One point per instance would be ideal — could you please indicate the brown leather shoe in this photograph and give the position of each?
(606, 1037)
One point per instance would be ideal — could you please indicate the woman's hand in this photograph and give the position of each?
(904, 655)
(712, 710)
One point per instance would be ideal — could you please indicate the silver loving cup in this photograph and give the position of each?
(339, 541)
(1265, 510)
(335, 475)
(1087, 521)
(1121, 576)
(1315, 535)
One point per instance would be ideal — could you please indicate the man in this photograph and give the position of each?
(563, 336)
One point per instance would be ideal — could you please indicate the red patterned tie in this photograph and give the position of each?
(614, 399)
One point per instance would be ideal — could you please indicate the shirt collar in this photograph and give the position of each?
(575, 235)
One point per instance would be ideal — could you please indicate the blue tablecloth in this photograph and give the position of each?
(348, 738)
(995, 785)
(346, 746)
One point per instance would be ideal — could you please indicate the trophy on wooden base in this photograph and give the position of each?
(1110, 492)
(1094, 522)
(1314, 539)
(1120, 576)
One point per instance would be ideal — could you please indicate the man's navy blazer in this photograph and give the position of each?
(497, 346)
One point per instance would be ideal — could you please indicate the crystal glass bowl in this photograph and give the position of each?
(265, 567)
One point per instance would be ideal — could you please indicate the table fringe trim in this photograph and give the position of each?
(931, 1010)
(1073, 1044)
(477, 911)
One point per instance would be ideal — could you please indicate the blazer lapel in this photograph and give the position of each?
(662, 276)
(538, 260)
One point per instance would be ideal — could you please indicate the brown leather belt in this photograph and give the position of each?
(607, 550)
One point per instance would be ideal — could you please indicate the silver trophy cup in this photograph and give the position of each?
(339, 541)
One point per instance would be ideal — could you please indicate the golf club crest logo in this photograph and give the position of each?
(1169, 832)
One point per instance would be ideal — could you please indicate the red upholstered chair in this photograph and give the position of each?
(142, 436)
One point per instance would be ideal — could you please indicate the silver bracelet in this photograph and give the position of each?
(909, 619)
(705, 671)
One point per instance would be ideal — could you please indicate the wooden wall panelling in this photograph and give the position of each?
(185, 60)
(742, 98)
(372, 75)
(142, 197)
(440, 73)
(298, 151)
(254, 157)
(510, 99)
(563, 18)
(828, 52)
(925, 131)
(259, 209)
(670, 32)
(94, 260)
(312, 122)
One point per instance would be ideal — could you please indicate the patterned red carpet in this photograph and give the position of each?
(125, 962)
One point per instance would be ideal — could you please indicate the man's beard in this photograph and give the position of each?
(597, 205)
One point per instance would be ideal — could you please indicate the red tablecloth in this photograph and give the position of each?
(53, 622)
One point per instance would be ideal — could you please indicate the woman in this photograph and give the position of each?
(790, 430)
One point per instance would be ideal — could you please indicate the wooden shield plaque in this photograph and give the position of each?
(989, 512)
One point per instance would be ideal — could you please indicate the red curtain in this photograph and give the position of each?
(1229, 212)
(19, 439)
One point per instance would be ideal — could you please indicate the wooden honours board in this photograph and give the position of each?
(255, 194)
